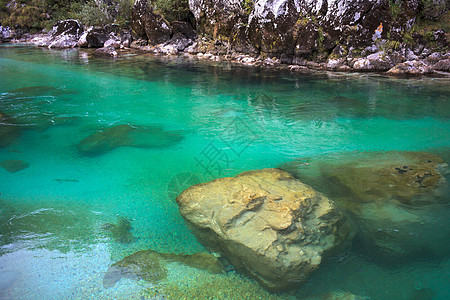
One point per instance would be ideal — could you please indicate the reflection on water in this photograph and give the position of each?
(379, 147)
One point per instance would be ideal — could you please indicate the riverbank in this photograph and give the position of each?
(113, 42)
(434, 64)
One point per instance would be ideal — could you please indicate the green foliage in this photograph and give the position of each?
(38, 14)
(247, 6)
(172, 10)
(93, 13)
(320, 39)
(3, 5)
(124, 8)
(26, 16)
(395, 6)
(408, 38)
(391, 45)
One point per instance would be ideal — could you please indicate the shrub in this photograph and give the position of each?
(173, 10)
(25, 16)
(93, 13)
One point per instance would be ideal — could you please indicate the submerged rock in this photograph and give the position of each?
(9, 131)
(121, 231)
(127, 136)
(362, 177)
(338, 295)
(13, 166)
(397, 200)
(267, 224)
(151, 266)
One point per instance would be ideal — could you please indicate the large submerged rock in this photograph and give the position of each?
(152, 266)
(127, 136)
(267, 224)
(363, 177)
(397, 200)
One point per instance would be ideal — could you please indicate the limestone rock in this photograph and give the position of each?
(67, 27)
(65, 34)
(121, 230)
(266, 223)
(6, 34)
(82, 42)
(125, 38)
(442, 65)
(149, 25)
(97, 37)
(106, 51)
(379, 61)
(414, 67)
(217, 17)
(112, 43)
(179, 42)
(183, 28)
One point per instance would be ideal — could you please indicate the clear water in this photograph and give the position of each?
(53, 242)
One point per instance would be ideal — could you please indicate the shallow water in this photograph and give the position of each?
(53, 240)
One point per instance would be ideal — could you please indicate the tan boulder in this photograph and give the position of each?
(266, 223)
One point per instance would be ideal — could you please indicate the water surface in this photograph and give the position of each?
(53, 240)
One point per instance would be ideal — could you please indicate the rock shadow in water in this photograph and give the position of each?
(121, 231)
(151, 266)
(13, 166)
(128, 136)
(9, 131)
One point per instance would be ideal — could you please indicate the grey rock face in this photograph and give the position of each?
(217, 17)
(67, 27)
(97, 37)
(297, 29)
(6, 34)
(413, 67)
(148, 25)
(65, 34)
(106, 51)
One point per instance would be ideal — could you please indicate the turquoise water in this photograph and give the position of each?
(53, 213)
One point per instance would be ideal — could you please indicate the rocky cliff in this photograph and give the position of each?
(294, 29)
(399, 36)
